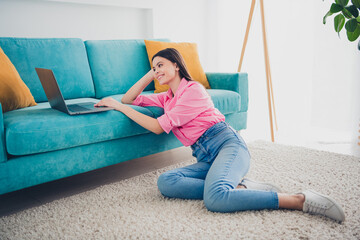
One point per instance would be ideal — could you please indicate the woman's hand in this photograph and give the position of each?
(145, 121)
(138, 87)
(151, 74)
(109, 102)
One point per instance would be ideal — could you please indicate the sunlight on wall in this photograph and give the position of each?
(315, 87)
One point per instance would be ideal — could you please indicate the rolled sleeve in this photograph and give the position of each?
(137, 101)
(165, 123)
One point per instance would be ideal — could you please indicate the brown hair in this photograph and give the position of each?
(174, 56)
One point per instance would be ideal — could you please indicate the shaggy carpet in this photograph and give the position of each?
(134, 208)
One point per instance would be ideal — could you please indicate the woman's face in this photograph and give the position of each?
(165, 70)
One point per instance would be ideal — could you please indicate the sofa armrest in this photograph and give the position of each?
(3, 156)
(237, 82)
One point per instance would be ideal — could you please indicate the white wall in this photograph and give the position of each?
(108, 19)
(315, 74)
(335, 77)
(62, 19)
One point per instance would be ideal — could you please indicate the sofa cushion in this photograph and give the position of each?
(14, 93)
(66, 57)
(41, 129)
(116, 65)
(226, 101)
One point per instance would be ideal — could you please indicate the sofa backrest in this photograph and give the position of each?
(116, 65)
(65, 56)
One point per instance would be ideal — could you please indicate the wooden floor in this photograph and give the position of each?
(34, 196)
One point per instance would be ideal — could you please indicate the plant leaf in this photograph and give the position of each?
(346, 13)
(352, 36)
(339, 22)
(342, 2)
(353, 10)
(336, 8)
(327, 15)
(356, 3)
(351, 25)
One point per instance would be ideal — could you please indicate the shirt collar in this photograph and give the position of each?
(183, 83)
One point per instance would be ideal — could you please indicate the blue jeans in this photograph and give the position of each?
(222, 161)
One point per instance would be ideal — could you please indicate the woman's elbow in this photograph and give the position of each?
(126, 101)
(158, 130)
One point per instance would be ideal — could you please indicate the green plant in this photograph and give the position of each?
(349, 12)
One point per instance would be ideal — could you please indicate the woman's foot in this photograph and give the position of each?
(316, 203)
(251, 184)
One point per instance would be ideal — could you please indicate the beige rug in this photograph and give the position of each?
(134, 209)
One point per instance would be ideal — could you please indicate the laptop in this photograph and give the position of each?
(56, 99)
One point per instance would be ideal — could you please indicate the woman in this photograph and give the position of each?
(222, 156)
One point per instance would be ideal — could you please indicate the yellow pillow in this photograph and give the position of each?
(14, 93)
(190, 54)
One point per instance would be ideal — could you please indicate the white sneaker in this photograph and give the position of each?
(250, 184)
(316, 203)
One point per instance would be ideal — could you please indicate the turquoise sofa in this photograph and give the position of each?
(39, 144)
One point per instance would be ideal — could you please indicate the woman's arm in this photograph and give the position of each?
(137, 88)
(143, 120)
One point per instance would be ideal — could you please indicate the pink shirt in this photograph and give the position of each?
(188, 114)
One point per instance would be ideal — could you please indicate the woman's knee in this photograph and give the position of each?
(166, 181)
(215, 200)
(214, 204)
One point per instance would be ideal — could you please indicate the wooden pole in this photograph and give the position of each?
(247, 33)
(267, 68)
(269, 87)
(272, 96)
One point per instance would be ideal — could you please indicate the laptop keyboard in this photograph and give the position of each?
(77, 108)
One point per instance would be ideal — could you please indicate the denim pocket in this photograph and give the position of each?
(214, 135)
(199, 151)
(216, 130)
(209, 144)
(241, 140)
(236, 134)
